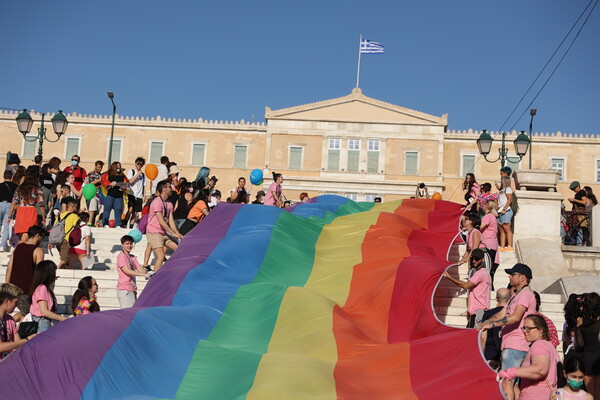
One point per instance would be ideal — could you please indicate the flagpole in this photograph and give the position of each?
(358, 69)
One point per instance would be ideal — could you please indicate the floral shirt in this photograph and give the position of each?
(484, 197)
(83, 307)
(36, 198)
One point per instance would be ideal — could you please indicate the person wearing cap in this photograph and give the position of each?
(520, 305)
(580, 203)
(479, 286)
(260, 197)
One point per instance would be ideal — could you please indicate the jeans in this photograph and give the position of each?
(4, 210)
(111, 203)
(43, 323)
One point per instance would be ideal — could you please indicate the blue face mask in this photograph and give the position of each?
(74, 162)
(575, 385)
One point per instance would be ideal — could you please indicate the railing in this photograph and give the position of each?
(576, 228)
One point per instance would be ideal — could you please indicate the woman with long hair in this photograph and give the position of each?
(590, 195)
(572, 312)
(183, 203)
(505, 214)
(275, 196)
(43, 300)
(84, 299)
(198, 210)
(588, 340)
(23, 208)
(115, 182)
(538, 372)
(472, 188)
(46, 177)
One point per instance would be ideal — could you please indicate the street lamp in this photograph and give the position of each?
(532, 112)
(484, 142)
(25, 122)
(111, 96)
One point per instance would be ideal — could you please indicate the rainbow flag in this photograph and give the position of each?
(330, 300)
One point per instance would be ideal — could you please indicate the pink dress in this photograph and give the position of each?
(270, 199)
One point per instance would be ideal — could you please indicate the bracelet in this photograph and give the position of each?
(27, 338)
(492, 325)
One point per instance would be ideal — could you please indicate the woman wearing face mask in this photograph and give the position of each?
(574, 373)
(538, 372)
(115, 182)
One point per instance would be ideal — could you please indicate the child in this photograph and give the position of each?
(128, 268)
(43, 301)
(83, 249)
(16, 291)
(574, 372)
(84, 299)
(9, 336)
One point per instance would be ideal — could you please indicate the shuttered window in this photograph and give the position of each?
(411, 160)
(156, 152)
(198, 150)
(295, 161)
(72, 148)
(239, 156)
(468, 164)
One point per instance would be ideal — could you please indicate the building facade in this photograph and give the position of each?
(354, 145)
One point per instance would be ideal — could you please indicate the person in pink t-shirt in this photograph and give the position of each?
(161, 222)
(520, 305)
(489, 235)
(43, 301)
(274, 196)
(128, 267)
(9, 336)
(479, 286)
(538, 372)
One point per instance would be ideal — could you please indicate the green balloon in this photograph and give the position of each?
(89, 191)
(259, 183)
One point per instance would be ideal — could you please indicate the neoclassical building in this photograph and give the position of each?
(353, 145)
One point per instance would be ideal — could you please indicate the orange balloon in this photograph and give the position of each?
(151, 171)
(436, 196)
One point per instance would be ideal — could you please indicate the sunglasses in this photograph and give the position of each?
(528, 328)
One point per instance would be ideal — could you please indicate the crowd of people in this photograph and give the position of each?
(43, 200)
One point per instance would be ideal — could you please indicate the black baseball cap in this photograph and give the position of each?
(520, 268)
(477, 254)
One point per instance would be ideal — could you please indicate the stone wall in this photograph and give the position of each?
(582, 260)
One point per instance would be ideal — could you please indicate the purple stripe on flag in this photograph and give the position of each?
(102, 329)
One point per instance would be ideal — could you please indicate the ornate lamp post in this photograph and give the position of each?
(485, 145)
(59, 124)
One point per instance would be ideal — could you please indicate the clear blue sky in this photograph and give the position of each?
(229, 59)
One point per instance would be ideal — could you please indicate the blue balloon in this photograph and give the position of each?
(136, 234)
(256, 177)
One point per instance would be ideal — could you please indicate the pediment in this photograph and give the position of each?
(356, 107)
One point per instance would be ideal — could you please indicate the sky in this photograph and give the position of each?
(228, 60)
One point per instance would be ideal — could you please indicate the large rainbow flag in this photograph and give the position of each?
(332, 299)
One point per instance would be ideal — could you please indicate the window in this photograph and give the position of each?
(597, 171)
(72, 148)
(116, 149)
(29, 148)
(156, 152)
(373, 155)
(370, 197)
(295, 160)
(239, 156)
(468, 164)
(198, 151)
(352, 196)
(333, 155)
(411, 163)
(353, 154)
(558, 164)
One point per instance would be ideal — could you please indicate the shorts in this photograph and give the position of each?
(126, 298)
(43, 323)
(93, 205)
(505, 218)
(63, 250)
(512, 358)
(138, 204)
(75, 250)
(156, 240)
(130, 201)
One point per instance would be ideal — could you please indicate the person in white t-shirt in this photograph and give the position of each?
(137, 180)
(505, 214)
(163, 172)
(83, 249)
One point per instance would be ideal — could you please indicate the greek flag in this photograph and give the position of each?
(370, 47)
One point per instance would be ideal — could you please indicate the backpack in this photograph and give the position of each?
(57, 233)
(143, 222)
(75, 236)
